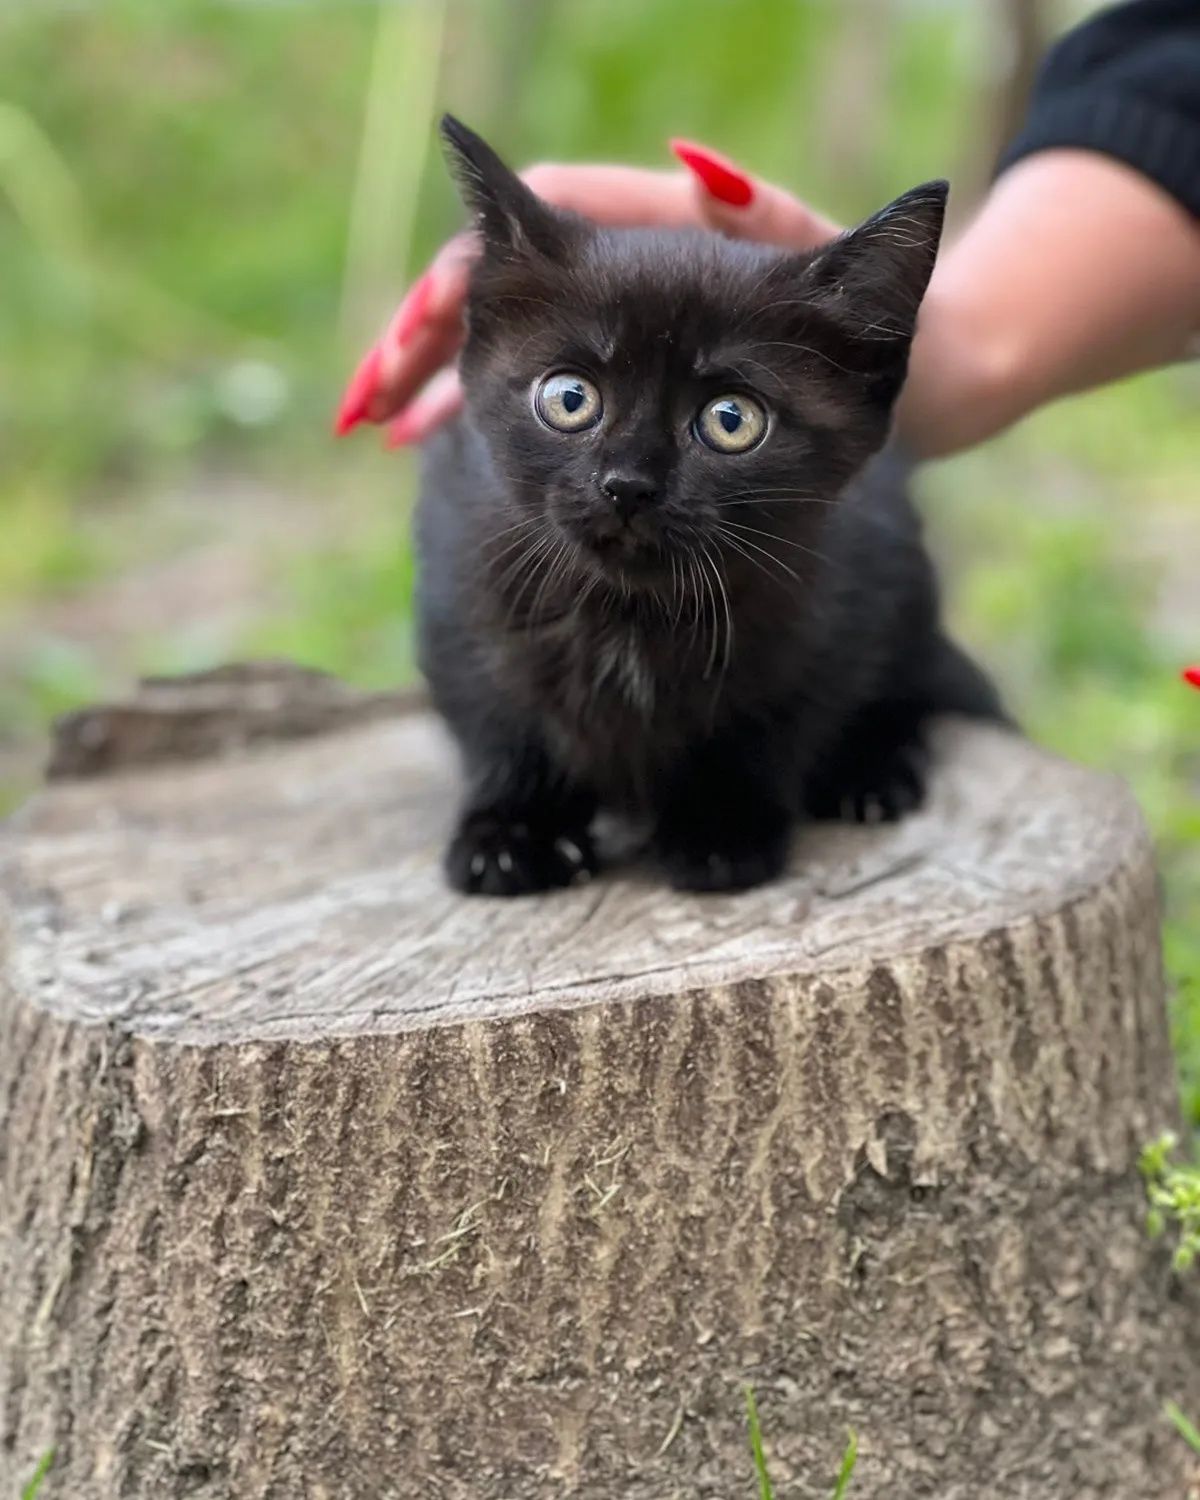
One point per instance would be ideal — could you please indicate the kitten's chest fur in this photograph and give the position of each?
(619, 693)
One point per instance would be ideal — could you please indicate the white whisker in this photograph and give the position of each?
(787, 541)
(779, 563)
(727, 654)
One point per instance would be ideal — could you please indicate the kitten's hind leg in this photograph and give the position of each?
(876, 771)
(954, 684)
(524, 827)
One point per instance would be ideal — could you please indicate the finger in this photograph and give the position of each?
(731, 200)
(618, 196)
(426, 332)
(436, 404)
(424, 335)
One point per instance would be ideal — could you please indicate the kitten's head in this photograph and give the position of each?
(655, 395)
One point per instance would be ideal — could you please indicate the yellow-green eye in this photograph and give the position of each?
(731, 424)
(568, 403)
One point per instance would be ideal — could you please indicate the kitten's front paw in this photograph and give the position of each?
(495, 856)
(704, 858)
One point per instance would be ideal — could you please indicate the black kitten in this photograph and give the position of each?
(655, 573)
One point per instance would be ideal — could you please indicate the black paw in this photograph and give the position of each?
(492, 856)
(707, 858)
(871, 786)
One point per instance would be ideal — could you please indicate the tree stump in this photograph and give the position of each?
(319, 1181)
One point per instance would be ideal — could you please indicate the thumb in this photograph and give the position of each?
(747, 208)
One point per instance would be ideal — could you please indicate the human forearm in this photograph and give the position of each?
(1076, 271)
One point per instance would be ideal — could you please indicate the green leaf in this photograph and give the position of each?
(33, 1488)
(849, 1459)
(765, 1489)
(1186, 1429)
(1173, 1196)
(1156, 1154)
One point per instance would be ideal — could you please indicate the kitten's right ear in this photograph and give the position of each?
(511, 218)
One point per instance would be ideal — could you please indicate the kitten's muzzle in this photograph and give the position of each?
(630, 492)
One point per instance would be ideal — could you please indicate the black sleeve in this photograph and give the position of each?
(1126, 83)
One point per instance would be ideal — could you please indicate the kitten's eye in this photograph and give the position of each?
(731, 424)
(568, 403)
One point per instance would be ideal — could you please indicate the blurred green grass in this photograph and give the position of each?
(176, 190)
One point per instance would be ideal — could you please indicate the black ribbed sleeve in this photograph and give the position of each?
(1127, 83)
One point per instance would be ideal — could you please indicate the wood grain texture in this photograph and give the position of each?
(318, 1181)
(297, 893)
(210, 714)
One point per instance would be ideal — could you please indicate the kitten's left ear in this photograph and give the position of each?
(510, 216)
(878, 272)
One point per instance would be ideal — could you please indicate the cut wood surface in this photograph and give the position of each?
(319, 1180)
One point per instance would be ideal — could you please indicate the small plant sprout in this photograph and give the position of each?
(34, 1487)
(766, 1490)
(1174, 1196)
(846, 1472)
(1186, 1429)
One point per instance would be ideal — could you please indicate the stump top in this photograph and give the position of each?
(294, 891)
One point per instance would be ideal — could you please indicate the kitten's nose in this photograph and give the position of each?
(629, 490)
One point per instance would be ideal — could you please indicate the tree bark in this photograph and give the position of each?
(319, 1181)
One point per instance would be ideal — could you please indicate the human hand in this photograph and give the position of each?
(408, 378)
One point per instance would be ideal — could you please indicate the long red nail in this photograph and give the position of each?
(359, 392)
(412, 310)
(718, 174)
(1192, 675)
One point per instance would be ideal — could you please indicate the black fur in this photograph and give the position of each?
(750, 638)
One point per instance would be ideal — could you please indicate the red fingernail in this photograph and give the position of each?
(359, 392)
(412, 310)
(1192, 675)
(718, 174)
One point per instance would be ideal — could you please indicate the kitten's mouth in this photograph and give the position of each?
(631, 552)
(623, 557)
